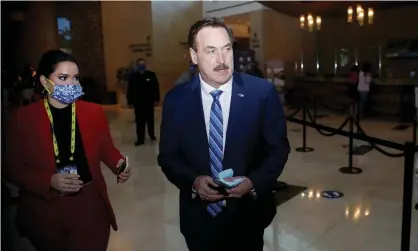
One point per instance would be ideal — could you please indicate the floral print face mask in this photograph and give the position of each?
(66, 94)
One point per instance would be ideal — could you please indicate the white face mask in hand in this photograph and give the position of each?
(229, 173)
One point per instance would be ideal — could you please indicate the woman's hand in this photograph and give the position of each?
(123, 176)
(66, 183)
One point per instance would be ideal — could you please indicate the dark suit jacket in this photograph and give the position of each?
(31, 161)
(256, 146)
(143, 89)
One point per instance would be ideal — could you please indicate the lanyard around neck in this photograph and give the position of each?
(54, 139)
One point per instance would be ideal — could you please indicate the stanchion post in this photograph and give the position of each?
(350, 169)
(414, 128)
(408, 186)
(357, 111)
(353, 109)
(315, 111)
(304, 148)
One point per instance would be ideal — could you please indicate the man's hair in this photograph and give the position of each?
(206, 22)
(140, 59)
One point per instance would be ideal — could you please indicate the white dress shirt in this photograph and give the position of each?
(224, 99)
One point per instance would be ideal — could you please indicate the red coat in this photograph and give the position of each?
(31, 161)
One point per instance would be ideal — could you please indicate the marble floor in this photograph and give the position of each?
(368, 216)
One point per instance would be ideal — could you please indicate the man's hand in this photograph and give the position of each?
(242, 189)
(66, 183)
(203, 186)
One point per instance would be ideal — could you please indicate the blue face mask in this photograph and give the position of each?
(66, 94)
(142, 67)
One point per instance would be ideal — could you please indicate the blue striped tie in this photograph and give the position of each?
(216, 153)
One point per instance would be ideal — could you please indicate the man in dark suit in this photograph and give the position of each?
(222, 120)
(143, 94)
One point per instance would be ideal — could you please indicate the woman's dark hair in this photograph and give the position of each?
(367, 68)
(355, 68)
(49, 62)
(206, 22)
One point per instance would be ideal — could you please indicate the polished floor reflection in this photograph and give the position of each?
(367, 217)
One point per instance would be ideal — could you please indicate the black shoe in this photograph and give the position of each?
(153, 138)
(138, 143)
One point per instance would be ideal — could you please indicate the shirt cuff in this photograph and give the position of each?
(194, 193)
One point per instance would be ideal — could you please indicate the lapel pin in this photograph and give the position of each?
(241, 95)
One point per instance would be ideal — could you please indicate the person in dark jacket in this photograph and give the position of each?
(143, 94)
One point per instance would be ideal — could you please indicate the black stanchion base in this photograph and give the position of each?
(351, 170)
(304, 149)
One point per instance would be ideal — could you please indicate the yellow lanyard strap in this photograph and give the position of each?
(54, 139)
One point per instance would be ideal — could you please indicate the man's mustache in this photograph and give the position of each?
(221, 67)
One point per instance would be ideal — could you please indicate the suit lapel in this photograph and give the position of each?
(197, 127)
(236, 112)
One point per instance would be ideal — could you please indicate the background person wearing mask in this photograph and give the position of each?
(143, 94)
(53, 152)
(217, 121)
(187, 75)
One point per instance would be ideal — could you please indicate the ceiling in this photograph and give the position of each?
(327, 9)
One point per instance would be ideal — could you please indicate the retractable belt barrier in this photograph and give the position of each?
(407, 151)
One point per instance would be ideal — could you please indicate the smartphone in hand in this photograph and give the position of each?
(123, 168)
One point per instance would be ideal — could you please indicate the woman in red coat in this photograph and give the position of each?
(54, 149)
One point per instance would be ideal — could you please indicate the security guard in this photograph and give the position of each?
(143, 94)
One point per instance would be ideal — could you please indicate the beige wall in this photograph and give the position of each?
(278, 35)
(240, 30)
(256, 34)
(124, 23)
(282, 36)
(170, 25)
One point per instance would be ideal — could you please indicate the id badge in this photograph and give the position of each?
(71, 169)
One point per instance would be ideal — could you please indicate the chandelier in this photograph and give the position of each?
(359, 14)
(310, 22)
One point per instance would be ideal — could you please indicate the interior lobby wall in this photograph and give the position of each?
(388, 24)
(240, 30)
(170, 26)
(86, 41)
(124, 24)
(37, 33)
(256, 35)
(282, 37)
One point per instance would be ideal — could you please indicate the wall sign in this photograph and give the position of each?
(145, 47)
(255, 41)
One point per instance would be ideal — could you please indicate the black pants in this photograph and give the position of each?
(144, 114)
(353, 93)
(221, 235)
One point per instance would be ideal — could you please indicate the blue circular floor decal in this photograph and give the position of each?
(332, 194)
